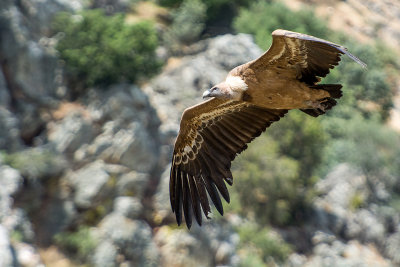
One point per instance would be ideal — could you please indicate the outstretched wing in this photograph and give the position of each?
(308, 57)
(211, 134)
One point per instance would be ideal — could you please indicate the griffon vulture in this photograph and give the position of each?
(239, 109)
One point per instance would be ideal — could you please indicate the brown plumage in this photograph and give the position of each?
(253, 96)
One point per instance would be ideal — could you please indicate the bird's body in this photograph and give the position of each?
(253, 96)
(276, 90)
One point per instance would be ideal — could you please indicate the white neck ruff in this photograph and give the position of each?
(236, 83)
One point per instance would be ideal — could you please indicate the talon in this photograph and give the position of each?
(322, 105)
(317, 105)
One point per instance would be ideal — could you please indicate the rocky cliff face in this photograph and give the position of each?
(103, 160)
(99, 159)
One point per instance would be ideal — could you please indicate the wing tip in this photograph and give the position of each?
(345, 51)
(356, 59)
(178, 219)
(188, 224)
(286, 33)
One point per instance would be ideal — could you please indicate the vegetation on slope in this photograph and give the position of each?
(102, 50)
(275, 177)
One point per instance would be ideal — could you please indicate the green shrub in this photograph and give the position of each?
(101, 50)
(301, 137)
(251, 258)
(357, 201)
(262, 18)
(220, 10)
(216, 10)
(368, 145)
(170, 3)
(80, 243)
(274, 177)
(36, 163)
(267, 185)
(258, 246)
(187, 25)
(395, 202)
(17, 236)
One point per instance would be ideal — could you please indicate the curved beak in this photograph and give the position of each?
(207, 93)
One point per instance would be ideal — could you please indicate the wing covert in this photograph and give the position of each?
(308, 57)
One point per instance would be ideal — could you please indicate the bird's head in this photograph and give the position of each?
(231, 89)
(221, 90)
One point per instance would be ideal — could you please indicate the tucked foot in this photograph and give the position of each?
(319, 107)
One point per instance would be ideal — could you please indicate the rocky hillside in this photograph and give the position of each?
(98, 160)
(367, 21)
(84, 181)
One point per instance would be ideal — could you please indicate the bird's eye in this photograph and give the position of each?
(214, 89)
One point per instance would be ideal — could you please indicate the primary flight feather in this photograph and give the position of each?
(253, 96)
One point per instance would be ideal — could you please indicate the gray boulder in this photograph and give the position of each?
(31, 19)
(331, 250)
(9, 131)
(340, 254)
(210, 245)
(132, 183)
(30, 66)
(222, 240)
(131, 238)
(27, 255)
(31, 76)
(19, 222)
(69, 134)
(31, 122)
(105, 254)
(161, 200)
(129, 134)
(181, 248)
(89, 184)
(7, 253)
(341, 185)
(122, 103)
(10, 182)
(129, 207)
(5, 98)
(130, 145)
(365, 226)
(242, 49)
(337, 190)
(346, 224)
(113, 6)
(392, 247)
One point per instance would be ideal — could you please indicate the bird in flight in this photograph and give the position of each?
(239, 109)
